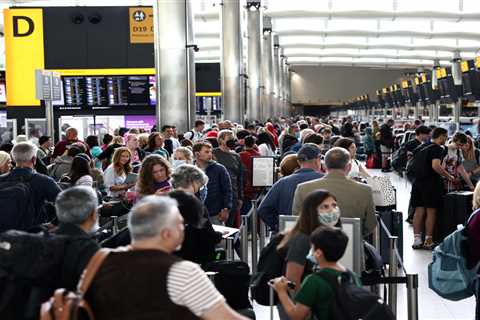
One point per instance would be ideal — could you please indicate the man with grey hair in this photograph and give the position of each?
(162, 285)
(225, 155)
(354, 199)
(24, 192)
(77, 213)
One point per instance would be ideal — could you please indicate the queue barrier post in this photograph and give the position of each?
(244, 238)
(115, 225)
(254, 236)
(263, 234)
(392, 272)
(230, 255)
(412, 296)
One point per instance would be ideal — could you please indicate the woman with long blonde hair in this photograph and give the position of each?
(116, 174)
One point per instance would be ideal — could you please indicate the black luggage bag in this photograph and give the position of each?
(232, 280)
(456, 208)
(393, 220)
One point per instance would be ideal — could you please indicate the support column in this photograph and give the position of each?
(416, 110)
(175, 82)
(286, 80)
(268, 69)
(281, 83)
(276, 76)
(254, 111)
(457, 81)
(231, 64)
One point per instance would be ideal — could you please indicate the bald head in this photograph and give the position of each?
(337, 159)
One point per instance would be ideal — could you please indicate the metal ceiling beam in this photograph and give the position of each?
(366, 56)
(380, 46)
(378, 34)
(373, 14)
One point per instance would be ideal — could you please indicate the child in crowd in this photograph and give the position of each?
(315, 295)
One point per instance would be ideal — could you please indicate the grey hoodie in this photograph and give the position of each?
(60, 167)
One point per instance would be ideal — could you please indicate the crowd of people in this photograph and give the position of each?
(176, 186)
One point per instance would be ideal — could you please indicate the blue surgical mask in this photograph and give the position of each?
(311, 257)
(329, 218)
(178, 163)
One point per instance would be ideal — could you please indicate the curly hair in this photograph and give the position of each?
(145, 181)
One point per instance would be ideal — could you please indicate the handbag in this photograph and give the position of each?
(383, 191)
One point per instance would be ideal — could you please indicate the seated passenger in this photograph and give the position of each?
(357, 170)
(115, 175)
(162, 286)
(61, 166)
(77, 213)
(354, 199)
(23, 210)
(319, 209)
(182, 155)
(5, 162)
(279, 198)
(315, 295)
(156, 144)
(154, 176)
(80, 172)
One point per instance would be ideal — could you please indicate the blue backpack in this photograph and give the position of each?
(448, 274)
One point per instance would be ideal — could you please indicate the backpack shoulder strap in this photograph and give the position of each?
(91, 270)
(477, 156)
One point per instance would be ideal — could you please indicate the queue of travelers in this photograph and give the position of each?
(175, 187)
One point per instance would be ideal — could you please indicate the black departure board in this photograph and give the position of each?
(96, 91)
(117, 89)
(138, 91)
(74, 91)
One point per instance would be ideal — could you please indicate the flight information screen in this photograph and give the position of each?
(96, 91)
(138, 91)
(74, 91)
(117, 89)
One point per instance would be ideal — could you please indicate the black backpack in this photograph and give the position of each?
(17, 202)
(399, 159)
(270, 266)
(30, 267)
(351, 302)
(416, 166)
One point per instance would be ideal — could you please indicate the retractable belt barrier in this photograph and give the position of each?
(410, 280)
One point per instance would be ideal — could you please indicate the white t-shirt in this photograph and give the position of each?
(265, 150)
(110, 178)
(188, 286)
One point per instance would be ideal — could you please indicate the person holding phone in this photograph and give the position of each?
(154, 176)
(115, 175)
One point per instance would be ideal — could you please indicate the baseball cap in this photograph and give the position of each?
(308, 151)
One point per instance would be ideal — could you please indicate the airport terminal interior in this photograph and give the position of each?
(322, 157)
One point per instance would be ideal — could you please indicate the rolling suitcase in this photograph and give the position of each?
(457, 207)
(393, 220)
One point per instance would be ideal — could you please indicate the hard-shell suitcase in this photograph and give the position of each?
(456, 208)
(393, 220)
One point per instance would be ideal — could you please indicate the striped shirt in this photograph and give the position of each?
(188, 286)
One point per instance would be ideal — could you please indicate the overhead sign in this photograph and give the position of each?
(48, 85)
(24, 53)
(141, 24)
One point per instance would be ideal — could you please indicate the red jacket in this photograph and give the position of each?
(246, 158)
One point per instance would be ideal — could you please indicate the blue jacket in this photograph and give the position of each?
(219, 188)
(279, 199)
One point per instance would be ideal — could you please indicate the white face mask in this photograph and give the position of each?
(311, 257)
(177, 163)
(329, 218)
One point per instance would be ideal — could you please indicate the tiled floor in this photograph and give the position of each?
(431, 306)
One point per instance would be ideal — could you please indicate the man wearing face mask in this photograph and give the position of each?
(163, 286)
(354, 199)
(225, 155)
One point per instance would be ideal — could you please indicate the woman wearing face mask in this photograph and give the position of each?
(319, 208)
(182, 155)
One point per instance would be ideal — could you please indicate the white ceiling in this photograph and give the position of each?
(388, 33)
